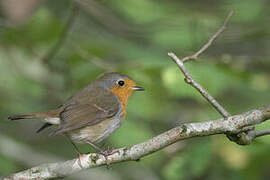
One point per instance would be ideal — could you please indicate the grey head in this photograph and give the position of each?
(109, 80)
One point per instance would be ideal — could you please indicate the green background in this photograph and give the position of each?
(133, 37)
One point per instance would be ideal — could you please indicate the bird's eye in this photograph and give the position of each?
(121, 83)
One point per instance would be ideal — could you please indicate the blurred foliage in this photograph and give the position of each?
(185, 162)
(133, 37)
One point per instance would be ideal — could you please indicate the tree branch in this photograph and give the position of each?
(232, 124)
(188, 77)
(262, 133)
(247, 134)
(210, 41)
(193, 83)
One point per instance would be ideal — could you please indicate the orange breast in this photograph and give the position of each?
(123, 93)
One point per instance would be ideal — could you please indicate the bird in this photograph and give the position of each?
(91, 114)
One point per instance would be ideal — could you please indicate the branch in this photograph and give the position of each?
(192, 82)
(232, 124)
(52, 52)
(188, 77)
(261, 133)
(247, 134)
(210, 41)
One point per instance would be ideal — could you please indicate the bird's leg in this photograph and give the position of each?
(95, 147)
(108, 152)
(77, 151)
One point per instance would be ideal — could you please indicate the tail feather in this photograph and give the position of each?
(22, 116)
(52, 113)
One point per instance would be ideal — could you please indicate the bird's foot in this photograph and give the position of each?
(111, 151)
(108, 152)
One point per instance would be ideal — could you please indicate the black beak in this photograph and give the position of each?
(137, 88)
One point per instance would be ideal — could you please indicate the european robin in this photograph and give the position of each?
(92, 113)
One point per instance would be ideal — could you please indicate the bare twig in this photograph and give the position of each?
(248, 134)
(193, 83)
(262, 133)
(70, 21)
(231, 124)
(210, 41)
(188, 77)
(246, 137)
(238, 138)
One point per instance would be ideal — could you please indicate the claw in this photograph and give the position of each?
(107, 153)
(112, 151)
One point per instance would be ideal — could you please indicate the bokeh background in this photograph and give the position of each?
(133, 37)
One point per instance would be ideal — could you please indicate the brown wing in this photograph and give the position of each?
(87, 109)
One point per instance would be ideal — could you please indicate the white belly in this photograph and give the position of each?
(97, 132)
